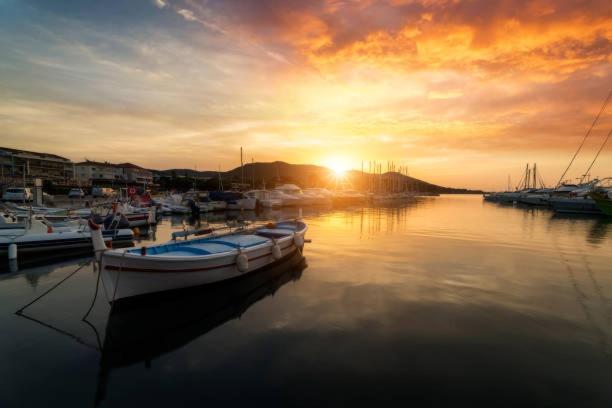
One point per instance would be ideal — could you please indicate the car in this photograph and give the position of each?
(104, 192)
(18, 194)
(76, 193)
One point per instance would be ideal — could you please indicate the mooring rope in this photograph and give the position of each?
(585, 138)
(20, 311)
(597, 155)
(84, 318)
(117, 280)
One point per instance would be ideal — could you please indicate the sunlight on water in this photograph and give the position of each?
(447, 300)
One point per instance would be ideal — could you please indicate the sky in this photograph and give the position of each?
(462, 93)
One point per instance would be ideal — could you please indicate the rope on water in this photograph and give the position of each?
(20, 311)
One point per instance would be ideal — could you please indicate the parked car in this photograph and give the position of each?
(102, 192)
(18, 194)
(76, 193)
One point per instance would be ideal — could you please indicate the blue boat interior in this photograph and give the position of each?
(220, 244)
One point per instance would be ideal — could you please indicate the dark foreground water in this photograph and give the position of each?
(448, 301)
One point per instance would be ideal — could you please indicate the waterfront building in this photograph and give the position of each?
(21, 166)
(89, 173)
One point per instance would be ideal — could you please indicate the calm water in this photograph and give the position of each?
(448, 301)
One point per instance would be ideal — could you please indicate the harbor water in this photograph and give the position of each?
(443, 301)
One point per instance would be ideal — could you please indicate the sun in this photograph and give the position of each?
(338, 166)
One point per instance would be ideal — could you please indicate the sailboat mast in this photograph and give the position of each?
(241, 169)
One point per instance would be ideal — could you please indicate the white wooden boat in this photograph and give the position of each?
(184, 264)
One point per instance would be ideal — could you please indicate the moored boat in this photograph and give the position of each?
(183, 264)
(37, 237)
(574, 205)
(604, 204)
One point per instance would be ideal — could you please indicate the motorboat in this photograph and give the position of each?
(136, 216)
(181, 264)
(235, 200)
(602, 195)
(537, 197)
(172, 204)
(264, 198)
(513, 196)
(292, 195)
(574, 205)
(36, 236)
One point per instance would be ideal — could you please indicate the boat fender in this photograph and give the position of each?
(276, 251)
(242, 261)
(12, 251)
(143, 251)
(298, 240)
(136, 231)
(270, 225)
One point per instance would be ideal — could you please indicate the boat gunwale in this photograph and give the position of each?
(125, 254)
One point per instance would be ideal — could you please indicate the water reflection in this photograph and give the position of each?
(442, 301)
(143, 331)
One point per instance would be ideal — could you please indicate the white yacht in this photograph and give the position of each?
(264, 198)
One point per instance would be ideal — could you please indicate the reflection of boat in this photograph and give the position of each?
(201, 261)
(147, 330)
(349, 197)
(321, 196)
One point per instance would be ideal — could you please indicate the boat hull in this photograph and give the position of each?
(604, 206)
(538, 200)
(127, 275)
(574, 206)
(37, 244)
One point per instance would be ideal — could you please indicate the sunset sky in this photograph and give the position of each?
(463, 92)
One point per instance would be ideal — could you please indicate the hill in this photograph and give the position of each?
(304, 175)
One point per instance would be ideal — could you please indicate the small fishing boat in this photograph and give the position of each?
(143, 331)
(183, 264)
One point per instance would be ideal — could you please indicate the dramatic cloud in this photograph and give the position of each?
(461, 91)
